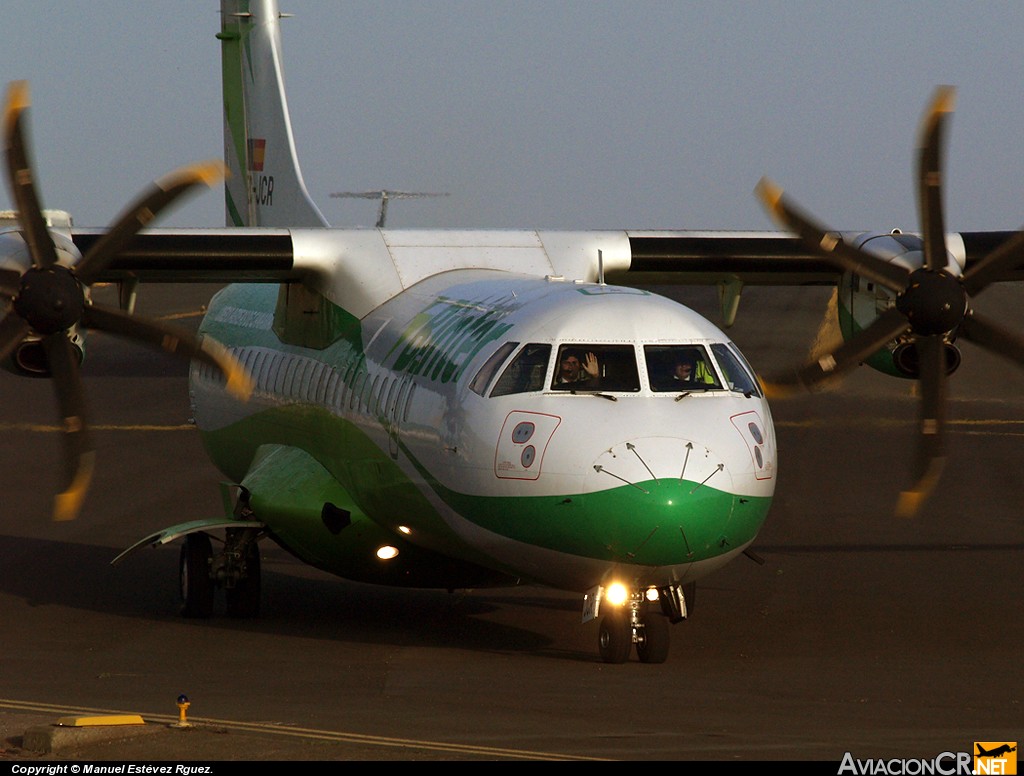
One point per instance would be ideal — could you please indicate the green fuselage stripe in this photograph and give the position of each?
(648, 523)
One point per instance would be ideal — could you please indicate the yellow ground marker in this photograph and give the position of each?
(107, 719)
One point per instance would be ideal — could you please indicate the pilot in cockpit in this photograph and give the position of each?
(576, 370)
(683, 372)
(686, 371)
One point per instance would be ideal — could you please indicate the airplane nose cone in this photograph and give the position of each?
(663, 500)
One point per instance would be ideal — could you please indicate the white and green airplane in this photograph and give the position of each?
(459, 409)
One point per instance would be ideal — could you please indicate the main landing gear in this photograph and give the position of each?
(235, 568)
(642, 622)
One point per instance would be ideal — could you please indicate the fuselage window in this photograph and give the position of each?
(525, 372)
(680, 368)
(297, 387)
(331, 397)
(389, 405)
(347, 383)
(292, 377)
(323, 381)
(378, 407)
(284, 373)
(272, 371)
(738, 374)
(363, 402)
(368, 391)
(349, 376)
(309, 375)
(267, 367)
(356, 389)
(483, 377)
(407, 401)
(256, 371)
(311, 390)
(400, 399)
(596, 368)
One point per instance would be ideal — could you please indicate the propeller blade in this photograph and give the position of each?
(13, 329)
(10, 282)
(849, 354)
(171, 339)
(160, 195)
(1007, 256)
(931, 451)
(19, 176)
(78, 452)
(929, 178)
(989, 335)
(830, 245)
(51, 301)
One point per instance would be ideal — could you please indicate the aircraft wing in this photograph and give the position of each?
(654, 257)
(218, 255)
(759, 258)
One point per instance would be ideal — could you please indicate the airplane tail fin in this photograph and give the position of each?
(265, 186)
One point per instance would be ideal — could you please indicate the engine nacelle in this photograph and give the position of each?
(908, 362)
(29, 358)
(861, 302)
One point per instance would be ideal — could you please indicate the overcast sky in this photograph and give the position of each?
(549, 114)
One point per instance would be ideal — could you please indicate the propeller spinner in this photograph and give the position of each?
(49, 298)
(932, 305)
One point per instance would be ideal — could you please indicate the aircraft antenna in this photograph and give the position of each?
(385, 195)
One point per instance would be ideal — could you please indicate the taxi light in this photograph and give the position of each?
(616, 594)
(651, 594)
(387, 552)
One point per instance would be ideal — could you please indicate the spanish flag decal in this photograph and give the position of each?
(257, 150)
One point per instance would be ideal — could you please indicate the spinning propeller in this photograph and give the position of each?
(933, 306)
(49, 297)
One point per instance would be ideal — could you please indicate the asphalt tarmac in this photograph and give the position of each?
(859, 633)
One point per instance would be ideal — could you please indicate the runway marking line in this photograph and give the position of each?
(308, 733)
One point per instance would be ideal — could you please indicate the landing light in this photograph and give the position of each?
(651, 594)
(404, 529)
(387, 552)
(616, 594)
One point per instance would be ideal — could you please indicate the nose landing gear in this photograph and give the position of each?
(235, 568)
(643, 623)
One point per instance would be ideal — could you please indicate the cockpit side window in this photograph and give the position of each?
(596, 368)
(738, 374)
(680, 368)
(525, 372)
(483, 377)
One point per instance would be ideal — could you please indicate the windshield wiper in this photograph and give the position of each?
(607, 396)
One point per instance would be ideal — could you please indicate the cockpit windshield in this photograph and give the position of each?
(483, 378)
(613, 368)
(680, 368)
(738, 374)
(596, 368)
(525, 372)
